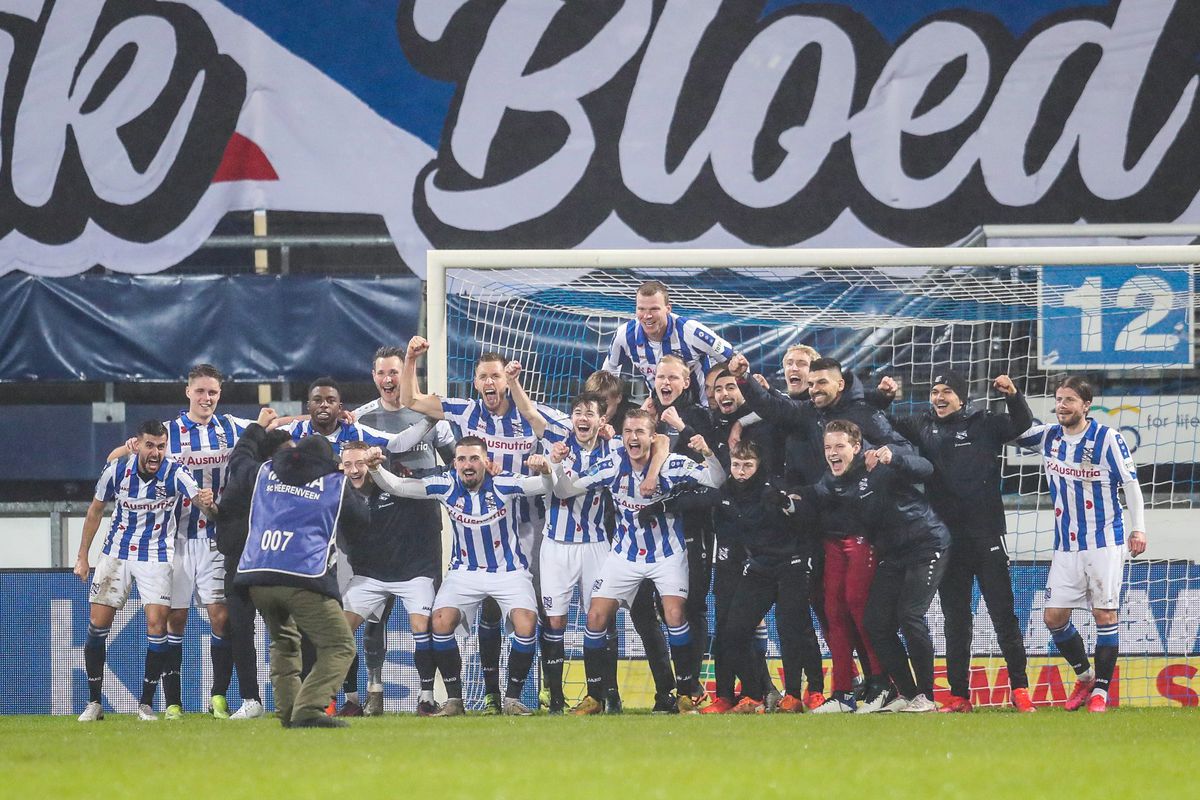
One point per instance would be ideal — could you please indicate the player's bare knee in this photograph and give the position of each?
(1105, 616)
(1056, 617)
(524, 621)
(557, 623)
(419, 623)
(444, 620)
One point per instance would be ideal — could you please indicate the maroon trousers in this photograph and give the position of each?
(849, 568)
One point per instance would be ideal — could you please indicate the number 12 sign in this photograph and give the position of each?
(1115, 317)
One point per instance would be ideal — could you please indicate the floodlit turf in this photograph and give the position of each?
(1053, 754)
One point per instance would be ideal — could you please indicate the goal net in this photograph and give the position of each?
(1122, 316)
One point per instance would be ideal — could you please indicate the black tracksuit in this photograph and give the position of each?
(910, 543)
(775, 572)
(729, 553)
(964, 448)
(248, 454)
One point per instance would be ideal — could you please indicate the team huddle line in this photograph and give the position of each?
(816, 500)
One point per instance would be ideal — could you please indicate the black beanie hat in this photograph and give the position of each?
(956, 382)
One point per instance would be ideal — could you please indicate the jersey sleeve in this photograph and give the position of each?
(443, 434)
(519, 485)
(1119, 459)
(106, 484)
(185, 483)
(240, 423)
(617, 353)
(438, 485)
(1032, 438)
(599, 474)
(681, 471)
(699, 336)
(558, 425)
(457, 411)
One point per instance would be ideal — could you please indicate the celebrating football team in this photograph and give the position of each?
(817, 501)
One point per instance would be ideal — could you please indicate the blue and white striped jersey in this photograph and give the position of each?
(204, 450)
(485, 521)
(692, 341)
(357, 432)
(1084, 473)
(664, 537)
(580, 519)
(510, 438)
(144, 520)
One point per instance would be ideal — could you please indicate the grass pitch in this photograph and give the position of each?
(1052, 754)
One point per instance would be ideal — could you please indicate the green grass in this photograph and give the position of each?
(1052, 754)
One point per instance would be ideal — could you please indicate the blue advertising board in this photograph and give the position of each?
(1115, 317)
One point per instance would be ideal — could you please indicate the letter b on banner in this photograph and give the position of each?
(1115, 317)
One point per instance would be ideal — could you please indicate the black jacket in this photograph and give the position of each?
(253, 448)
(391, 548)
(886, 503)
(804, 425)
(764, 435)
(311, 458)
(751, 515)
(965, 449)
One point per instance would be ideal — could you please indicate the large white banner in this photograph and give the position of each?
(132, 127)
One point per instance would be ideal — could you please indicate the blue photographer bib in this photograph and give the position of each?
(292, 528)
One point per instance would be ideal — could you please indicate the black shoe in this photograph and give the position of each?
(320, 722)
(665, 704)
(613, 704)
(557, 707)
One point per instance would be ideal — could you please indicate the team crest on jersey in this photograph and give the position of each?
(547, 601)
(160, 492)
(1047, 597)
(1087, 453)
(596, 584)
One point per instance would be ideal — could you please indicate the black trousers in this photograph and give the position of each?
(984, 559)
(784, 586)
(240, 629)
(727, 574)
(900, 596)
(700, 552)
(644, 615)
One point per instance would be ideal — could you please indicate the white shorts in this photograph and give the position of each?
(114, 578)
(565, 566)
(368, 596)
(197, 569)
(465, 590)
(620, 578)
(1086, 578)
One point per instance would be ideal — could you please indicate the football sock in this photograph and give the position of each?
(423, 659)
(350, 683)
(222, 660)
(94, 652)
(156, 657)
(171, 680)
(449, 662)
(680, 639)
(1107, 647)
(595, 653)
(553, 654)
(611, 653)
(1070, 644)
(375, 646)
(489, 655)
(520, 659)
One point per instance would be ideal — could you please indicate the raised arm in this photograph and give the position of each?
(525, 407)
(713, 474)
(408, 438)
(91, 524)
(1019, 417)
(768, 405)
(428, 404)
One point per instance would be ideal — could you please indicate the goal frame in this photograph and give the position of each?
(439, 262)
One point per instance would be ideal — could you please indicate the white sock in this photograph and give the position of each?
(352, 697)
(374, 687)
(426, 696)
(1101, 692)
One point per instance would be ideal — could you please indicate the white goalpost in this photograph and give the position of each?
(1122, 315)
